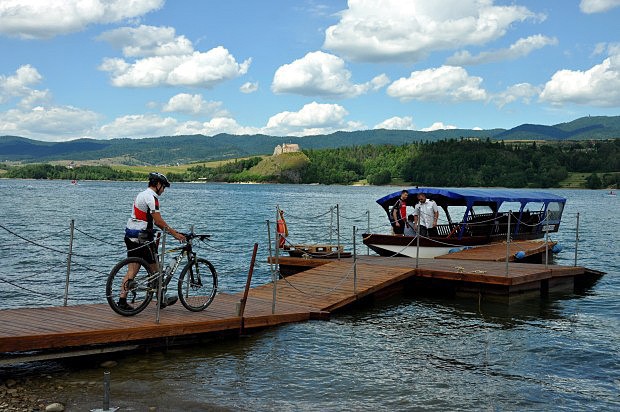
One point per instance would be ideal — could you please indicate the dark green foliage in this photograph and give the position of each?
(382, 177)
(593, 182)
(47, 171)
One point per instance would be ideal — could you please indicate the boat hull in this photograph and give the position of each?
(393, 245)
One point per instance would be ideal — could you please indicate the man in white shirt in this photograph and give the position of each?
(425, 216)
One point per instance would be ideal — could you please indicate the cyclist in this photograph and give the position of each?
(140, 233)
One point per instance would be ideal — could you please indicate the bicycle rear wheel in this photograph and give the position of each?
(139, 289)
(197, 285)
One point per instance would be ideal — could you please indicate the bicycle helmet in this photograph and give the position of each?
(155, 177)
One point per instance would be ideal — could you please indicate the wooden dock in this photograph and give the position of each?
(322, 287)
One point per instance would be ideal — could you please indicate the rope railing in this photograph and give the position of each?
(72, 258)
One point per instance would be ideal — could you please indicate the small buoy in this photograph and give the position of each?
(557, 248)
(520, 254)
(454, 250)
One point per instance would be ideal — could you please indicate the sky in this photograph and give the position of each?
(107, 69)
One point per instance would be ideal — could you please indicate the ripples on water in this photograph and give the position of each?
(402, 354)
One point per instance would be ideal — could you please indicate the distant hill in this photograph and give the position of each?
(193, 148)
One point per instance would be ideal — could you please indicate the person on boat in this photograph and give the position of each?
(409, 226)
(140, 232)
(282, 230)
(399, 213)
(425, 216)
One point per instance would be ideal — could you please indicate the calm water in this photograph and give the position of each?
(407, 353)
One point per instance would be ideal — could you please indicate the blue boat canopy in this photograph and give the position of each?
(472, 196)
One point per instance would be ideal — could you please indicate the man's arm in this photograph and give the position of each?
(161, 223)
(435, 214)
(395, 212)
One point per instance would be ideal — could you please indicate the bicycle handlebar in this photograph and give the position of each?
(190, 236)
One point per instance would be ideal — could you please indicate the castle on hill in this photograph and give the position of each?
(286, 148)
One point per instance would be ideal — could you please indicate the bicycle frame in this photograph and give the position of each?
(186, 250)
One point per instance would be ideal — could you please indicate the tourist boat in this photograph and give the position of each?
(472, 217)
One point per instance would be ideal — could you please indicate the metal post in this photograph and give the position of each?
(368, 231)
(508, 240)
(354, 262)
(338, 227)
(417, 251)
(546, 239)
(576, 238)
(331, 225)
(72, 226)
(106, 395)
(274, 274)
(270, 249)
(160, 278)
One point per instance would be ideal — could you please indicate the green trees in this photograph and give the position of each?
(462, 162)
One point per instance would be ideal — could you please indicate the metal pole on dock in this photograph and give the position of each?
(331, 225)
(274, 274)
(508, 240)
(417, 249)
(354, 262)
(576, 238)
(160, 278)
(338, 227)
(368, 231)
(546, 239)
(72, 227)
(270, 249)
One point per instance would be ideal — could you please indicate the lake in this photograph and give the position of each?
(405, 353)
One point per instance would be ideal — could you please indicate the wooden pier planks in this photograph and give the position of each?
(310, 294)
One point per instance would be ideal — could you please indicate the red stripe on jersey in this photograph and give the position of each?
(139, 214)
(157, 204)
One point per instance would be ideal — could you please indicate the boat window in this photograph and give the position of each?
(508, 206)
(555, 211)
(456, 213)
(481, 210)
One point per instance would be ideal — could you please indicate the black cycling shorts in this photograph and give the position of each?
(145, 251)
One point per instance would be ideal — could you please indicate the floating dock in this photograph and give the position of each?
(320, 287)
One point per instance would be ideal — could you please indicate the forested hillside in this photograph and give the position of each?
(455, 162)
(198, 148)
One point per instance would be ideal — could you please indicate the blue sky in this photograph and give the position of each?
(115, 68)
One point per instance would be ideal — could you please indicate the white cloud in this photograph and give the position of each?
(215, 126)
(197, 69)
(409, 30)
(396, 123)
(37, 19)
(248, 87)
(147, 41)
(141, 125)
(523, 91)
(438, 126)
(194, 104)
(520, 48)
(597, 6)
(313, 118)
(443, 83)
(18, 84)
(321, 74)
(598, 86)
(54, 123)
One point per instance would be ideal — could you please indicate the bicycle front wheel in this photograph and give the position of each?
(197, 285)
(134, 277)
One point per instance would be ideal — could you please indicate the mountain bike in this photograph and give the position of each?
(196, 287)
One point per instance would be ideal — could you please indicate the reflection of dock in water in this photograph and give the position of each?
(320, 286)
